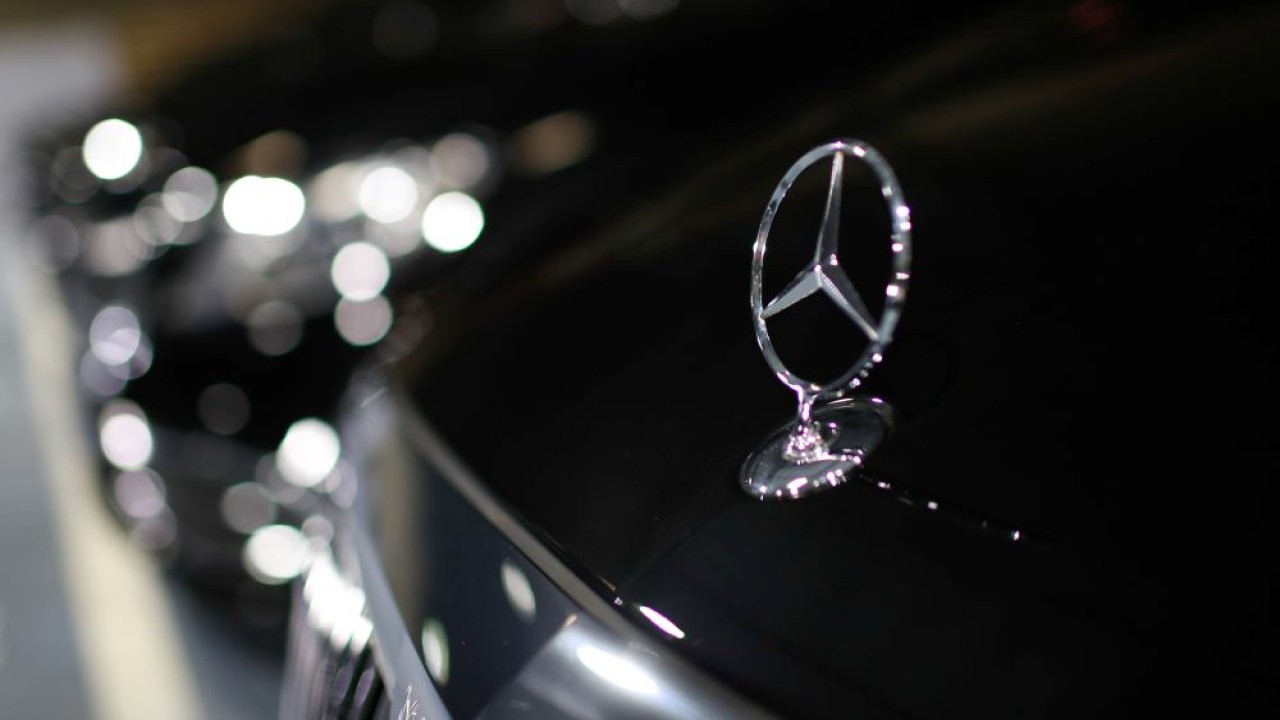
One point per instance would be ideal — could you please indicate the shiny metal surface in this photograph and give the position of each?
(815, 454)
(565, 652)
(847, 431)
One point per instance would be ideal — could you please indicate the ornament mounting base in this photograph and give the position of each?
(850, 430)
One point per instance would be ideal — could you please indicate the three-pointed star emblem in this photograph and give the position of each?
(823, 273)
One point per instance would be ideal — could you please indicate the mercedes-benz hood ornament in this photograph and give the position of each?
(832, 435)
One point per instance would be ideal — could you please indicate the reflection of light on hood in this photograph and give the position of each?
(335, 606)
(618, 671)
(190, 194)
(662, 622)
(452, 222)
(435, 650)
(388, 194)
(308, 453)
(519, 592)
(360, 271)
(112, 149)
(263, 206)
(276, 554)
(125, 435)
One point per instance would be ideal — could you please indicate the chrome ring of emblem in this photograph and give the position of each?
(824, 447)
(824, 274)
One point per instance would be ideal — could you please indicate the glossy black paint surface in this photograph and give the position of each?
(1087, 357)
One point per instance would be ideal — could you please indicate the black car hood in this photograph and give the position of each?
(1073, 512)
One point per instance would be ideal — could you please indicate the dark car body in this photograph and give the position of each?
(1072, 516)
(538, 512)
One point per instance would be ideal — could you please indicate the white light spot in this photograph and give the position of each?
(662, 622)
(435, 650)
(322, 589)
(263, 206)
(308, 453)
(859, 151)
(902, 211)
(452, 222)
(276, 554)
(931, 505)
(125, 435)
(898, 247)
(190, 194)
(618, 671)
(893, 291)
(388, 194)
(274, 327)
(112, 149)
(363, 322)
(360, 271)
(519, 592)
(795, 485)
(115, 335)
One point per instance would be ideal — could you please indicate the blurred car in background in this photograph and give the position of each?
(528, 243)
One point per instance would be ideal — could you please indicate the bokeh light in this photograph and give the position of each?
(308, 453)
(363, 322)
(360, 271)
(125, 435)
(190, 194)
(388, 194)
(112, 149)
(265, 206)
(452, 222)
(276, 554)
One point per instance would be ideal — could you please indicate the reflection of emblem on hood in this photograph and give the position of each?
(827, 444)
